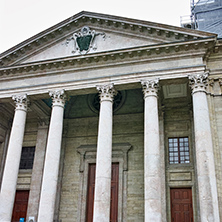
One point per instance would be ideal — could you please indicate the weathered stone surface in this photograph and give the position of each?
(10, 175)
(124, 52)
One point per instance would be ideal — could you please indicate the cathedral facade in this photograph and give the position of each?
(105, 118)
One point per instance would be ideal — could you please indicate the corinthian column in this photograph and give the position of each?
(9, 180)
(104, 155)
(51, 167)
(204, 150)
(152, 176)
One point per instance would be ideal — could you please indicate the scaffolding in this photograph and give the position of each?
(189, 21)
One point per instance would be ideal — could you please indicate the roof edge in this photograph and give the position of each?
(110, 17)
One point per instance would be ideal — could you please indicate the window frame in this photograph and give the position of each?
(179, 150)
(25, 160)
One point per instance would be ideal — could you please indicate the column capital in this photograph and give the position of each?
(150, 87)
(58, 98)
(106, 92)
(198, 83)
(21, 102)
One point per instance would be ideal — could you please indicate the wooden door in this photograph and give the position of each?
(90, 193)
(114, 193)
(181, 205)
(20, 205)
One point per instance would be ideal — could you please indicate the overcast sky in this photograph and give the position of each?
(21, 19)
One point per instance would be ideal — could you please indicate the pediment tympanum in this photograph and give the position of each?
(88, 33)
(99, 41)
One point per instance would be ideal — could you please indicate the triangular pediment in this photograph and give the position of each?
(103, 33)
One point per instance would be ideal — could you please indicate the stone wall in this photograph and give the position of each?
(217, 135)
(178, 123)
(83, 131)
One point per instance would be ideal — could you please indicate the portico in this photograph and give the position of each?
(141, 105)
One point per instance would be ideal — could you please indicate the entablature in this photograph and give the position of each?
(150, 53)
(85, 82)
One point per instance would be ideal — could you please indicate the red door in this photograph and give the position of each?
(181, 205)
(20, 205)
(114, 193)
(90, 193)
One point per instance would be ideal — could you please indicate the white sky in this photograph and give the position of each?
(21, 19)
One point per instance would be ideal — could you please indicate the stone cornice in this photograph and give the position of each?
(89, 83)
(137, 54)
(113, 22)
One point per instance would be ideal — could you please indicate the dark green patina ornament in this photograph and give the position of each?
(84, 39)
(84, 42)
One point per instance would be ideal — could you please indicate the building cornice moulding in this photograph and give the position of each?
(116, 57)
(113, 22)
(89, 84)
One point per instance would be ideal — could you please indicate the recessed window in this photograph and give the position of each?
(27, 158)
(179, 150)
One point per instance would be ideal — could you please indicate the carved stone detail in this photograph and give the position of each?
(199, 82)
(150, 87)
(84, 40)
(211, 82)
(119, 150)
(220, 81)
(21, 102)
(106, 92)
(58, 97)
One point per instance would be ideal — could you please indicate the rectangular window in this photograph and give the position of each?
(27, 158)
(179, 150)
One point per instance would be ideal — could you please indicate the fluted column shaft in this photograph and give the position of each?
(9, 180)
(152, 176)
(104, 155)
(52, 158)
(204, 151)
